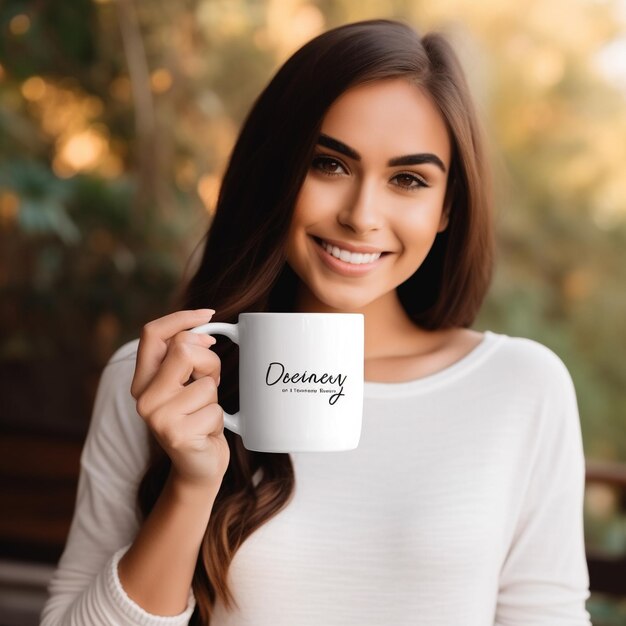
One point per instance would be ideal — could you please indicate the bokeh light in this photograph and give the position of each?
(20, 24)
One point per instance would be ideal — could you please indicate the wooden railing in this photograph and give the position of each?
(38, 480)
(608, 574)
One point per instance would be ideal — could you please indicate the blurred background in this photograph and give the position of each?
(116, 121)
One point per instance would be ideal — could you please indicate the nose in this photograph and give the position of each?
(362, 211)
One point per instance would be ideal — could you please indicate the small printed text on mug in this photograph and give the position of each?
(276, 373)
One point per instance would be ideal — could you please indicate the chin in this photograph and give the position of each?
(343, 302)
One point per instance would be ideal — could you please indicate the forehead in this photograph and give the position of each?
(387, 118)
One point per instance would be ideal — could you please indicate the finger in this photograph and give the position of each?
(180, 361)
(153, 343)
(198, 395)
(184, 359)
(203, 359)
(207, 421)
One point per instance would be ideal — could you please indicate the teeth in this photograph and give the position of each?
(356, 258)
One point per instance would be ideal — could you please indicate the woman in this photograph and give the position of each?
(462, 503)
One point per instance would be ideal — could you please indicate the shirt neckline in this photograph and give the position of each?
(490, 340)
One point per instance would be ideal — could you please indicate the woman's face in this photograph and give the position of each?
(360, 195)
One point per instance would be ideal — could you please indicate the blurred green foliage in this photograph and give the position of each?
(117, 118)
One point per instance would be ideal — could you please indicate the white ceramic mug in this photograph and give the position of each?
(300, 380)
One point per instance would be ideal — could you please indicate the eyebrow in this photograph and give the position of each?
(407, 159)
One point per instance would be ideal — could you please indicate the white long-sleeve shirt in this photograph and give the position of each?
(463, 504)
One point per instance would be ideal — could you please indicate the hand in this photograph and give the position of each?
(175, 385)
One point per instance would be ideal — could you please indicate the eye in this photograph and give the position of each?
(410, 179)
(327, 166)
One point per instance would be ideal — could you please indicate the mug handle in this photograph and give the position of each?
(232, 422)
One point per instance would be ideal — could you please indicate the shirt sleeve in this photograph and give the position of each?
(85, 588)
(544, 579)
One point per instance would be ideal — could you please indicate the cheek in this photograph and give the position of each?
(417, 230)
(434, 207)
(317, 199)
(420, 225)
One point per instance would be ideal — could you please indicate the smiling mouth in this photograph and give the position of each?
(347, 256)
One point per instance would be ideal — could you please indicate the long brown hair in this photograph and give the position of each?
(243, 264)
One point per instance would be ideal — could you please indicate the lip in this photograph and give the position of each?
(343, 268)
